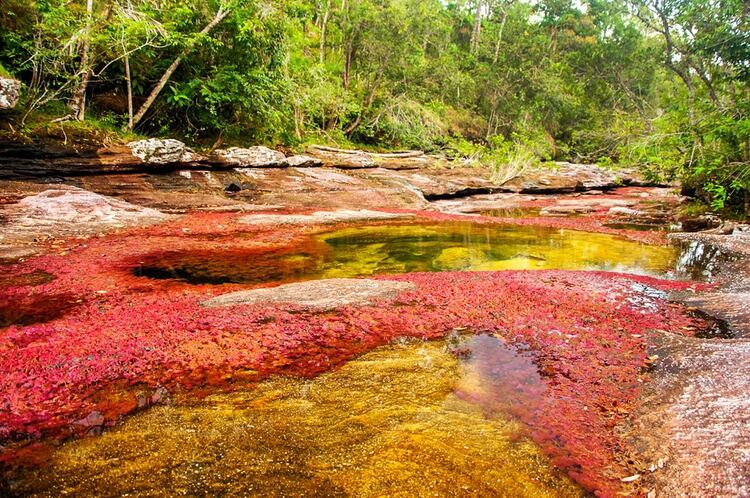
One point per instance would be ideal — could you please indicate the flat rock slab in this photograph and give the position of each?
(67, 211)
(322, 217)
(442, 183)
(570, 177)
(322, 294)
(695, 416)
(323, 189)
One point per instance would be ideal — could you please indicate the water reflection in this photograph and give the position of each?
(498, 377)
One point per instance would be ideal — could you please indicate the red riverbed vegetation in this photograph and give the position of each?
(114, 342)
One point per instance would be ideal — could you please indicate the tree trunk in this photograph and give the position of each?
(476, 31)
(348, 57)
(323, 27)
(129, 87)
(707, 82)
(221, 14)
(370, 100)
(499, 37)
(77, 102)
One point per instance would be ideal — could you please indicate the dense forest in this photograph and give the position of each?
(659, 84)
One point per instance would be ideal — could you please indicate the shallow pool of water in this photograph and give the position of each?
(402, 248)
(408, 419)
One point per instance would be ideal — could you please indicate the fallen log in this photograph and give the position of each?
(396, 154)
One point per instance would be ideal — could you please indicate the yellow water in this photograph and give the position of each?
(465, 246)
(413, 247)
(386, 424)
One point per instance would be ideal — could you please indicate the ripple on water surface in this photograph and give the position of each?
(379, 249)
(410, 419)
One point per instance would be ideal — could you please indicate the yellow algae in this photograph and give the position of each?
(386, 424)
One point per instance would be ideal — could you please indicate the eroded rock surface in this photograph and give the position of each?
(325, 294)
(569, 177)
(303, 161)
(325, 188)
(357, 159)
(696, 418)
(163, 151)
(322, 217)
(251, 157)
(352, 160)
(442, 183)
(66, 211)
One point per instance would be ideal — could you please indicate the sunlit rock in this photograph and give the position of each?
(162, 151)
(250, 157)
(326, 294)
(66, 211)
(303, 161)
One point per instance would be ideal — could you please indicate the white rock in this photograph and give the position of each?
(162, 151)
(251, 157)
(10, 91)
(303, 161)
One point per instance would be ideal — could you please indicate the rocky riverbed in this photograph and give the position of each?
(654, 407)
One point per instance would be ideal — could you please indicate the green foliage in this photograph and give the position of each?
(594, 81)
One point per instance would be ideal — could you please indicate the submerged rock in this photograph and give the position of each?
(10, 91)
(325, 294)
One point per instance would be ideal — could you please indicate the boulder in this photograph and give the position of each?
(303, 161)
(564, 177)
(10, 90)
(700, 223)
(357, 159)
(441, 183)
(163, 151)
(250, 157)
(321, 294)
